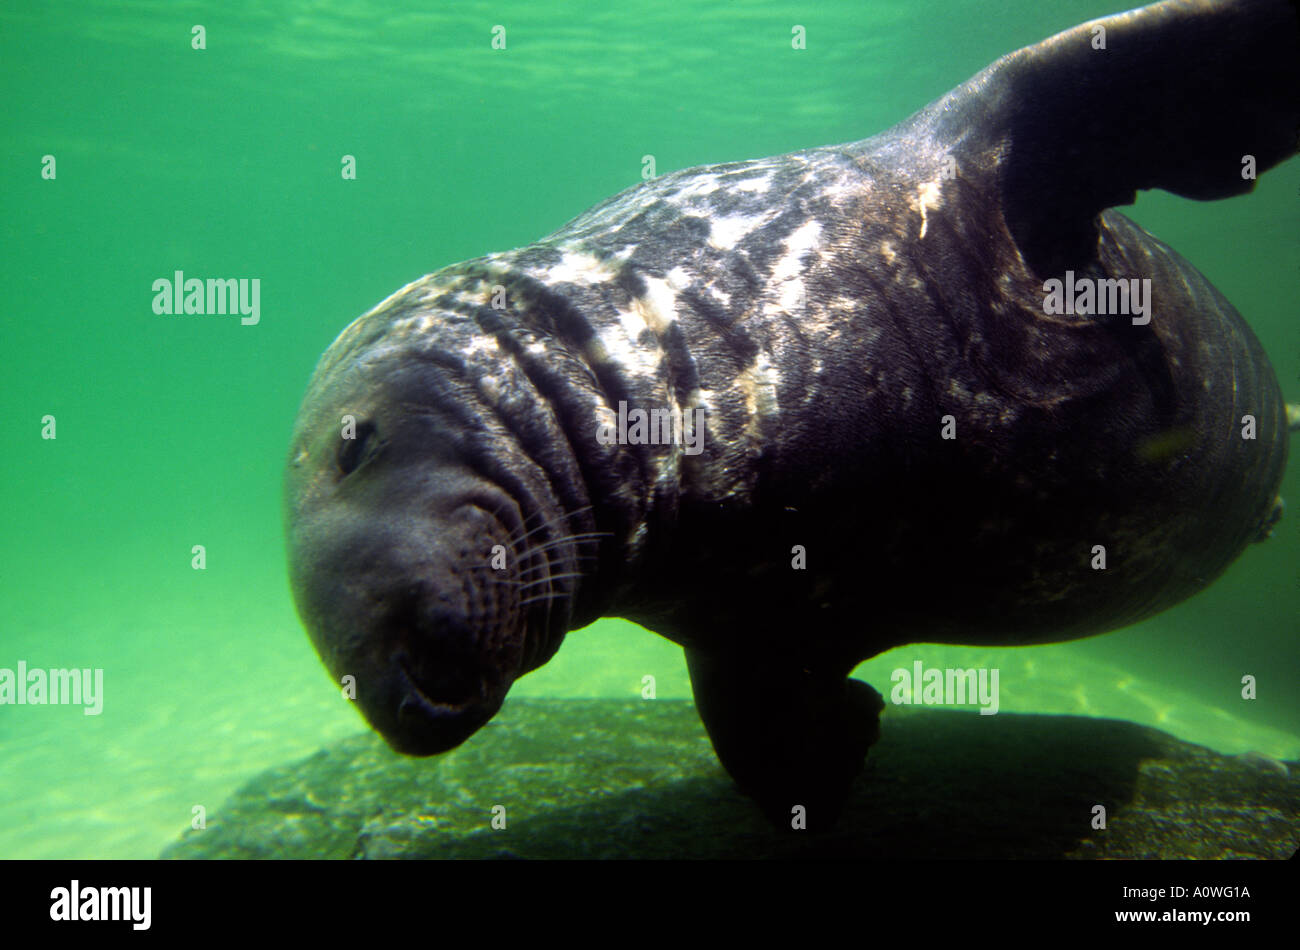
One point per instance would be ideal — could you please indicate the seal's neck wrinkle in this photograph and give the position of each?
(535, 366)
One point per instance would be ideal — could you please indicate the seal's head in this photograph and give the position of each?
(412, 563)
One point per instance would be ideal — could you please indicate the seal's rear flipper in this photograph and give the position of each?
(791, 738)
(1179, 97)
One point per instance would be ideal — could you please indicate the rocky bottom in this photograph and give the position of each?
(613, 778)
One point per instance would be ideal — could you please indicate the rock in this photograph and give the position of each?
(613, 778)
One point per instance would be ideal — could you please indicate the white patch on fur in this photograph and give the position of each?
(786, 275)
(617, 343)
(489, 388)
(700, 186)
(756, 185)
(483, 344)
(577, 267)
(679, 278)
(658, 307)
(632, 321)
(792, 297)
(927, 197)
(725, 233)
(655, 310)
(758, 383)
(802, 240)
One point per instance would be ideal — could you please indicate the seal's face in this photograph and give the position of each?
(390, 536)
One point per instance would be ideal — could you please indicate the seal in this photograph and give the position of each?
(923, 387)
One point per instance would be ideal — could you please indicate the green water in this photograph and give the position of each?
(171, 431)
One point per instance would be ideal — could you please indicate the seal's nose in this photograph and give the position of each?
(439, 713)
(439, 687)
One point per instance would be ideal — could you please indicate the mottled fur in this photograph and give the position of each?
(831, 311)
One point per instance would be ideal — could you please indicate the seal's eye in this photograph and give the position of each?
(354, 452)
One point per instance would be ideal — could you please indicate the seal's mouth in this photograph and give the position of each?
(435, 716)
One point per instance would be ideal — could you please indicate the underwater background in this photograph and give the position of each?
(172, 430)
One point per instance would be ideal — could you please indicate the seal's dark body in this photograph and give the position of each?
(1070, 432)
(829, 310)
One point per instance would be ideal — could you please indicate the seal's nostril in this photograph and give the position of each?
(449, 684)
(436, 649)
(443, 666)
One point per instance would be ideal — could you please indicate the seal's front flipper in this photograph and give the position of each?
(1176, 95)
(790, 737)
